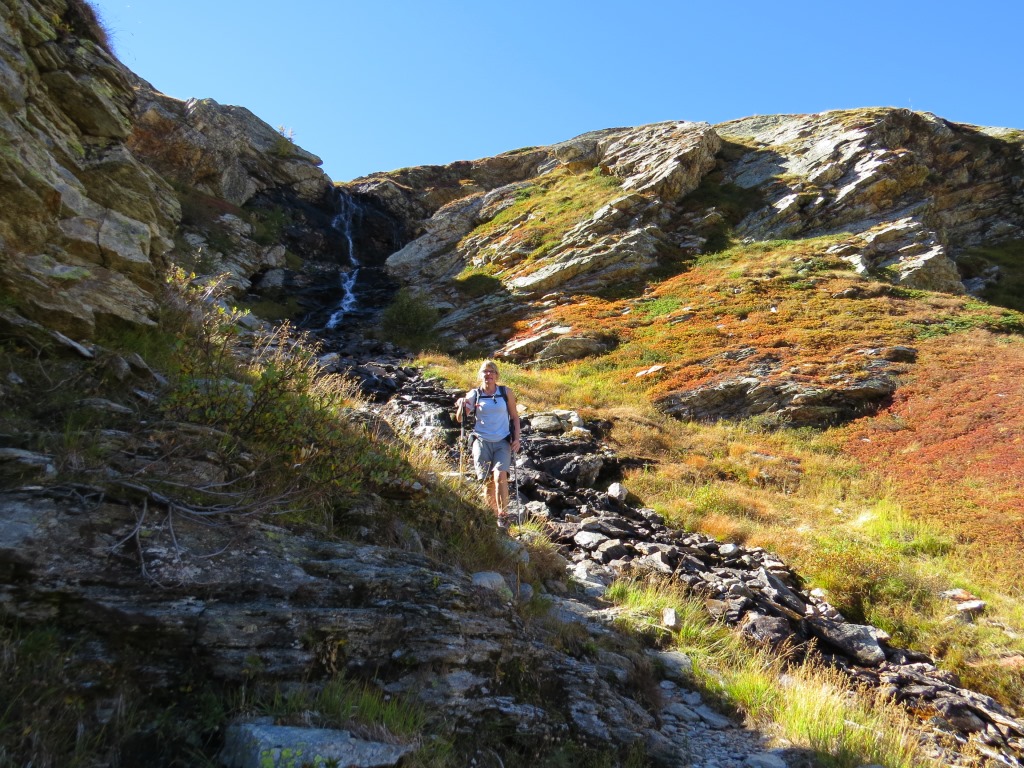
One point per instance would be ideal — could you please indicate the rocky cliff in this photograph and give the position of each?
(107, 182)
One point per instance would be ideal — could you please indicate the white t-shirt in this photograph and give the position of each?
(492, 421)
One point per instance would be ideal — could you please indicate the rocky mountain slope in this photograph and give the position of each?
(502, 242)
(908, 192)
(120, 512)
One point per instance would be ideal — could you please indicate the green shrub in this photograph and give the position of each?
(284, 143)
(269, 223)
(409, 321)
(477, 284)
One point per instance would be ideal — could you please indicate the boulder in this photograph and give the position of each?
(664, 159)
(264, 745)
(856, 640)
(588, 540)
(675, 665)
(548, 423)
(773, 631)
(586, 258)
(567, 348)
(430, 256)
(789, 402)
(523, 348)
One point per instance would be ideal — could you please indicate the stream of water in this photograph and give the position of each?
(348, 212)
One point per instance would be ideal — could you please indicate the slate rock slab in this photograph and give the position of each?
(258, 745)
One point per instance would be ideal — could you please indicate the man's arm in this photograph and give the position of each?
(463, 406)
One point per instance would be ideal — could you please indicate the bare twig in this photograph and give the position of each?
(174, 538)
(140, 519)
(138, 541)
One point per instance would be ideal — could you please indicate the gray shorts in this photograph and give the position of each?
(489, 457)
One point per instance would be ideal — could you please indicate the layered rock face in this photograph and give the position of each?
(97, 167)
(912, 190)
(85, 223)
(650, 165)
(298, 605)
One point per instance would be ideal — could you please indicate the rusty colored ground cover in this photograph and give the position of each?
(773, 302)
(952, 442)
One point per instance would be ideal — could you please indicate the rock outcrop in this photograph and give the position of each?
(222, 151)
(225, 603)
(914, 190)
(85, 224)
(760, 392)
(100, 170)
(651, 164)
(906, 193)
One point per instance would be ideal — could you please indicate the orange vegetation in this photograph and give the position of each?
(952, 441)
(773, 303)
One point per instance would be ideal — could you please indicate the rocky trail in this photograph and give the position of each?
(567, 479)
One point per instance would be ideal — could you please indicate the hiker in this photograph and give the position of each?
(495, 435)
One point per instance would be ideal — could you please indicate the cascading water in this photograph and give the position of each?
(348, 212)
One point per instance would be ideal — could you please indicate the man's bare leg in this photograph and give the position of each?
(490, 495)
(501, 490)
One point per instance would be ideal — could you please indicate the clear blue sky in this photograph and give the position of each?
(381, 84)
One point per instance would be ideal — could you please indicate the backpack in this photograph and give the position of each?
(499, 392)
(470, 418)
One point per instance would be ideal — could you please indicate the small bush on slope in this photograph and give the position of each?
(409, 321)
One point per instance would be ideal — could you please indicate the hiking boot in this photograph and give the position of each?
(503, 521)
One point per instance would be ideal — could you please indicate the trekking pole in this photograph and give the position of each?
(514, 498)
(462, 445)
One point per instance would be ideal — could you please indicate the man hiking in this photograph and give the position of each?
(495, 436)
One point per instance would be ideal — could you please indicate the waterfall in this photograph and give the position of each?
(348, 211)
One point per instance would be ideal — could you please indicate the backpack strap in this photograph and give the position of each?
(499, 392)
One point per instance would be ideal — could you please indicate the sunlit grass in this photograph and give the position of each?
(885, 513)
(545, 561)
(805, 705)
(814, 709)
(536, 222)
(839, 528)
